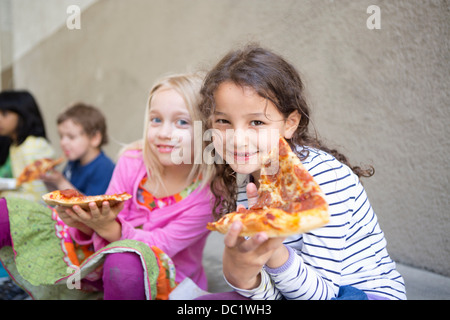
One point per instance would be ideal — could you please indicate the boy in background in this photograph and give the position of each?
(82, 131)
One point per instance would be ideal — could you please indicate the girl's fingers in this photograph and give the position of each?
(233, 240)
(254, 242)
(105, 208)
(270, 244)
(60, 209)
(80, 213)
(95, 211)
(69, 213)
(232, 236)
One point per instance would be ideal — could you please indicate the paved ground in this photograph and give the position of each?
(420, 284)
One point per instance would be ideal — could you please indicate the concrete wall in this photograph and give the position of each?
(381, 96)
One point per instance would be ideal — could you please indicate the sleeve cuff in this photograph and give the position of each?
(285, 266)
(250, 292)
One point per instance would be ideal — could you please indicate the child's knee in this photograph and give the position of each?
(123, 277)
(123, 267)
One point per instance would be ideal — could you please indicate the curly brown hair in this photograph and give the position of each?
(275, 79)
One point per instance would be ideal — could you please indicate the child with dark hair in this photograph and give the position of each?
(259, 94)
(83, 131)
(23, 141)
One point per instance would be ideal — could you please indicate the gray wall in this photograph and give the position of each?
(381, 96)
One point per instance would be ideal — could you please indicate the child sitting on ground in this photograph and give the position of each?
(83, 132)
(260, 95)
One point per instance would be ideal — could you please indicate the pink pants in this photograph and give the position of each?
(123, 275)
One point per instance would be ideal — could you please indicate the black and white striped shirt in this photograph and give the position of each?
(349, 250)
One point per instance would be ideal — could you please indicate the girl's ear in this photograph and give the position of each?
(292, 124)
(96, 139)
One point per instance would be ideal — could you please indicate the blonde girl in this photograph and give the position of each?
(168, 212)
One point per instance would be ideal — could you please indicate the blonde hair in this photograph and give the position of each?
(188, 87)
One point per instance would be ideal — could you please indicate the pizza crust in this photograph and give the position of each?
(284, 224)
(55, 198)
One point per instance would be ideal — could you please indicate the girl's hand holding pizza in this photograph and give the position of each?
(70, 219)
(89, 214)
(243, 259)
(101, 220)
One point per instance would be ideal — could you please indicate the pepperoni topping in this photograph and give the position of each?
(305, 202)
(284, 148)
(302, 174)
(70, 193)
(270, 216)
(264, 200)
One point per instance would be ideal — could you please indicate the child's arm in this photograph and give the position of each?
(244, 270)
(291, 279)
(55, 179)
(238, 250)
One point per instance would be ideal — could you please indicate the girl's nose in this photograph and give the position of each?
(239, 137)
(165, 131)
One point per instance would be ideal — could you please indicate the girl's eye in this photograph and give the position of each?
(182, 122)
(155, 120)
(256, 123)
(221, 121)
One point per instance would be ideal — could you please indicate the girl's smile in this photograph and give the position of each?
(164, 148)
(243, 156)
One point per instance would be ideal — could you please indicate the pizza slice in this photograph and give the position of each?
(289, 200)
(70, 197)
(34, 170)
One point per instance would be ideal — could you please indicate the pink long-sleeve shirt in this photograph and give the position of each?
(179, 229)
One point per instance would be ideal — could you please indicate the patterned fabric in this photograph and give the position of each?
(74, 253)
(145, 198)
(47, 264)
